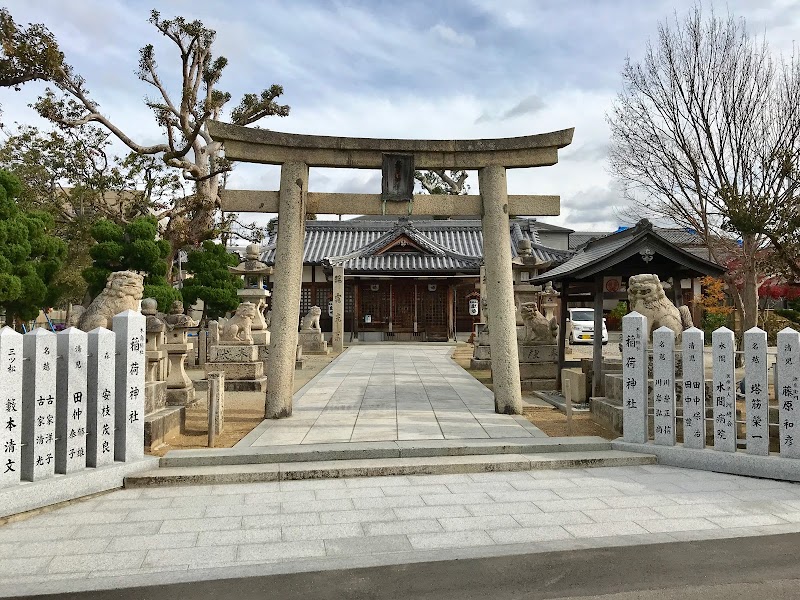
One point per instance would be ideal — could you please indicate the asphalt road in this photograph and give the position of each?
(751, 567)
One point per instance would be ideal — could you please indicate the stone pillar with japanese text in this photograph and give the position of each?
(101, 397)
(788, 392)
(634, 376)
(694, 389)
(664, 386)
(756, 391)
(129, 327)
(724, 389)
(337, 337)
(10, 406)
(39, 405)
(71, 400)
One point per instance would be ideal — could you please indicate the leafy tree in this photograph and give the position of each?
(30, 257)
(27, 54)
(211, 281)
(716, 310)
(705, 134)
(183, 117)
(70, 175)
(134, 247)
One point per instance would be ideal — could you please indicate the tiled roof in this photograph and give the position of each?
(450, 245)
(595, 255)
(679, 237)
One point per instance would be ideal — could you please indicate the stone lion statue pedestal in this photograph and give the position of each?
(537, 341)
(233, 350)
(310, 338)
(482, 351)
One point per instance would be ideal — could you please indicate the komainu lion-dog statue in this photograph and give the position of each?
(646, 296)
(538, 330)
(123, 292)
(239, 328)
(310, 321)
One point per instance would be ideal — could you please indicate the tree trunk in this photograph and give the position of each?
(750, 284)
(738, 304)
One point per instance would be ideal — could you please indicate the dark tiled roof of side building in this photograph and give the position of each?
(680, 237)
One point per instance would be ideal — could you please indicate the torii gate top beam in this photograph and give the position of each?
(248, 144)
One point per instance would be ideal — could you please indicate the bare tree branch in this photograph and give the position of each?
(706, 135)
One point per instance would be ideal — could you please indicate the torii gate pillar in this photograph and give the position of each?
(288, 279)
(500, 289)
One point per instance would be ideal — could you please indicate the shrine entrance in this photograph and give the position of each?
(398, 159)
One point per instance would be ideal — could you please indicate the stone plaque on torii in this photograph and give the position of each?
(296, 153)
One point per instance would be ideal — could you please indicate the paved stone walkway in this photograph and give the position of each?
(393, 392)
(159, 535)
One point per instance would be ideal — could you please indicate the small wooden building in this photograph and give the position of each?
(615, 258)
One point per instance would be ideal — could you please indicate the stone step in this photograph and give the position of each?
(242, 455)
(378, 467)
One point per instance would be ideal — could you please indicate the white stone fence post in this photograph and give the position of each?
(71, 404)
(735, 417)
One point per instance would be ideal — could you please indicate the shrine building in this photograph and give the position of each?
(411, 278)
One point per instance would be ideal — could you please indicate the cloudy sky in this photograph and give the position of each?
(419, 69)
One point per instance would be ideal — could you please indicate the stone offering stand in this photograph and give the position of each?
(72, 411)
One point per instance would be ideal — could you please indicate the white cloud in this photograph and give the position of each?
(481, 69)
(450, 35)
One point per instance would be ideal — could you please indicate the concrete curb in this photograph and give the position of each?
(239, 455)
(734, 463)
(30, 495)
(383, 467)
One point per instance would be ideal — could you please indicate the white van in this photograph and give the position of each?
(580, 326)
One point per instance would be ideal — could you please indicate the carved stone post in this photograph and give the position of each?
(286, 291)
(337, 339)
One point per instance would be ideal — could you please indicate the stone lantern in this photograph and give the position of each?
(180, 389)
(548, 300)
(157, 362)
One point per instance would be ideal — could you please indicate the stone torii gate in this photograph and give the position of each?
(296, 153)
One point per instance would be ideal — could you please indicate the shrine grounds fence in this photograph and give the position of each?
(727, 423)
(71, 412)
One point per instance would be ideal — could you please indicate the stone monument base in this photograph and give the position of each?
(240, 376)
(181, 396)
(482, 353)
(538, 366)
(261, 338)
(155, 396)
(542, 385)
(478, 364)
(162, 424)
(233, 353)
(313, 342)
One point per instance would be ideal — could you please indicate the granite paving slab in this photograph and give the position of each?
(386, 393)
(162, 535)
